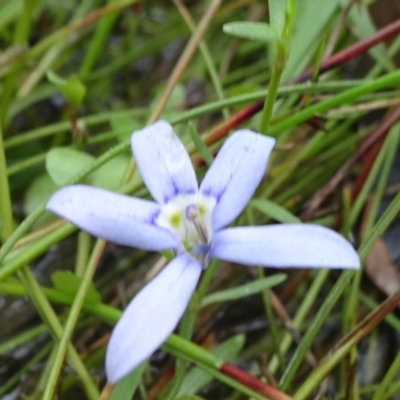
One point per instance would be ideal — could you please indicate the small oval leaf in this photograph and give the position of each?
(68, 283)
(72, 88)
(251, 30)
(62, 163)
(110, 175)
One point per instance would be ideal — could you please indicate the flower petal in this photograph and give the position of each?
(151, 316)
(235, 174)
(163, 162)
(120, 219)
(286, 245)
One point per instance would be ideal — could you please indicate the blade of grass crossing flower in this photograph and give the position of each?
(244, 290)
(200, 146)
(196, 379)
(126, 387)
(177, 345)
(208, 362)
(274, 211)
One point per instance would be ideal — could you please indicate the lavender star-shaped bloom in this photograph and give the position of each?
(190, 220)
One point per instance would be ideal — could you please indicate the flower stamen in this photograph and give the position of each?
(193, 215)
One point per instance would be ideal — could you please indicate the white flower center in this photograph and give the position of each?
(189, 218)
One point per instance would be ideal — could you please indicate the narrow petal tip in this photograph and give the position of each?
(163, 162)
(151, 316)
(286, 245)
(235, 174)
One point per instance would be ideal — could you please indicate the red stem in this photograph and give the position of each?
(335, 60)
(253, 383)
(372, 139)
(353, 51)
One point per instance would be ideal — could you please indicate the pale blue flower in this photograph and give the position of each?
(191, 221)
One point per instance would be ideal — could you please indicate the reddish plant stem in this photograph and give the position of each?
(365, 326)
(337, 59)
(353, 51)
(225, 126)
(367, 164)
(253, 383)
(372, 139)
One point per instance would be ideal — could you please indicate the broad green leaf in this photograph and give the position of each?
(277, 10)
(68, 283)
(38, 193)
(310, 22)
(62, 163)
(124, 125)
(196, 379)
(251, 30)
(243, 290)
(72, 88)
(110, 175)
(174, 104)
(274, 211)
(126, 387)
